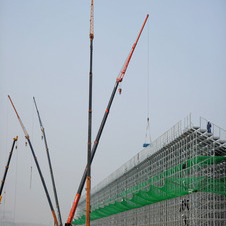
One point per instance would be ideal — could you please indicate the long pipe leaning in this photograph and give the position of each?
(37, 164)
(96, 142)
(7, 166)
(89, 144)
(50, 165)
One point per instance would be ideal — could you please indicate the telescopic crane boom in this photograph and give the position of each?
(37, 164)
(50, 165)
(88, 178)
(7, 167)
(96, 142)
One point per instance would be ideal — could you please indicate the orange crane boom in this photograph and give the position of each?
(121, 75)
(96, 142)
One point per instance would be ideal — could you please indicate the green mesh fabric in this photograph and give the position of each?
(173, 187)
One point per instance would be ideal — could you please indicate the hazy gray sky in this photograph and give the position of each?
(44, 52)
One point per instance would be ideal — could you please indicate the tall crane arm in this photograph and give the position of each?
(123, 71)
(96, 142)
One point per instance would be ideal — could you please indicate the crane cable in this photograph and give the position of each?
(148, 133)
(32, 132)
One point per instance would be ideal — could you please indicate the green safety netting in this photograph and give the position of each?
(172, 188)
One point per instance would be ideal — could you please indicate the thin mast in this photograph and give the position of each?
(37, 164)
(7, 167)
(50, 165)
(96, 142)
(88, 178)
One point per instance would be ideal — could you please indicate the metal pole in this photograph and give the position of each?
(88, 182)
(96, 142)
(50, 165)
(7, 167)
(43, 182)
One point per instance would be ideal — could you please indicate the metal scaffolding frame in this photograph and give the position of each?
(186, 156)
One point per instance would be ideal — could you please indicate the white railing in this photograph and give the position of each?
(178, 129)
(215, 130)
(156, 145)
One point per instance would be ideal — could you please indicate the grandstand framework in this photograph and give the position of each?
(180, 179)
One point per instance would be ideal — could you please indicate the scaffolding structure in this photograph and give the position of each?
(180, 179)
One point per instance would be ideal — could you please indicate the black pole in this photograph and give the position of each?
(43, 181)
(89, 146)
(90, 111)
(95, 145)
(50, 165)
(96, 142)
(7, 166)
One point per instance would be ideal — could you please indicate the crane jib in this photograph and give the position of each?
(119, 79)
